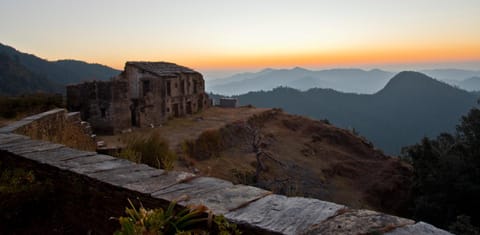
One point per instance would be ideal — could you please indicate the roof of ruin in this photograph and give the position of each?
(162, 68)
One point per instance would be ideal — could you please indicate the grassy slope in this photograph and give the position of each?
(316, 159)
(319, 161)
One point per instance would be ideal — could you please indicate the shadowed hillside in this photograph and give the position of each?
(16, 79)
(55, 74)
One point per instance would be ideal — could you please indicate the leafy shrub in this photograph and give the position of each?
(209, 144)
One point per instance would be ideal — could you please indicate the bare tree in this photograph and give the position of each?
(257, 144)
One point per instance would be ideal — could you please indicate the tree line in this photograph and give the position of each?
(446, 185)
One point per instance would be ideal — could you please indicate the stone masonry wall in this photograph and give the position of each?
(96, 187)
(119, 112)
(105, 104)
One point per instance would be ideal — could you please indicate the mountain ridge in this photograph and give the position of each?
(16, 79)
(60, 72)
(329, 78)
(347, 79)
(409, 81)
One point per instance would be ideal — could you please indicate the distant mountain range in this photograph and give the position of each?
(28, 73)
(454, 75)
(410, 106)
(469, 84)
(465, 79)
(344, 80)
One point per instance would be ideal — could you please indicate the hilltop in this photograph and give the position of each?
(303, 157)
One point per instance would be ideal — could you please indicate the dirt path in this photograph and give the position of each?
(177, 130)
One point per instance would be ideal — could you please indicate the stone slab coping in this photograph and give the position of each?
(14, 126)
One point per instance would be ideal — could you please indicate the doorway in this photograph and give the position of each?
(200, 103)
(134, 115)
(176, 111)
(189, 107)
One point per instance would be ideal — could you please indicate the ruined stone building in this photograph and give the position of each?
(144, 94)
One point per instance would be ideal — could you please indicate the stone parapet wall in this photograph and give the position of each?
(50, 121)
(56, 126)
(97, 187)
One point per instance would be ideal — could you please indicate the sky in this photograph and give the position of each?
(222, 36)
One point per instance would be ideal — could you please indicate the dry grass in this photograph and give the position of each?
(59, 130)
(152, 150)
(176, 131)
(320, 161)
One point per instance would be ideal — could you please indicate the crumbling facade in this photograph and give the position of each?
(144, 94)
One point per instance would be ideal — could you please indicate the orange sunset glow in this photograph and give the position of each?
(340, 58)
(219, 35)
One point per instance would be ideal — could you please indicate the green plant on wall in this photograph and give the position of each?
(190, 220)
